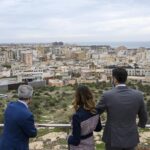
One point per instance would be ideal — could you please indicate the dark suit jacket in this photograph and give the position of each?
(18, 127)
(122, 105)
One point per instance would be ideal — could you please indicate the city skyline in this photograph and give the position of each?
(74, 21)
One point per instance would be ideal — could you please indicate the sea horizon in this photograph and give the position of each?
(109, 43)
(117, 44)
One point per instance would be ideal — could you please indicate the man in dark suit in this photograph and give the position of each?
(122, 105)
(18, 122)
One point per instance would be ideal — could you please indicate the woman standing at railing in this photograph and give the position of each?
(85, 120)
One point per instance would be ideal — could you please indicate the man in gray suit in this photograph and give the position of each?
(122, 105)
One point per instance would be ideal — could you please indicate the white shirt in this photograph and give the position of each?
(120, 85)
(23, 103)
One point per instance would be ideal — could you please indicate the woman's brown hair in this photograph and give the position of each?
(84, 98)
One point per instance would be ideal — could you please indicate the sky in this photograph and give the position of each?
(74, 20)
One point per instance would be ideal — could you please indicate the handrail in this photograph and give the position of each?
(54, 125)
(62, 125)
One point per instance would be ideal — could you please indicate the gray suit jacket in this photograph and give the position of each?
(122, 105)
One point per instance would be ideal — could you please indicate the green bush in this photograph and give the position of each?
(15, 96)
(100, 146)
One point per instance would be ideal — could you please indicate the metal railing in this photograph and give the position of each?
(61, 125)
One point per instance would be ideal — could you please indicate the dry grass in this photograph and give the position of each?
(143, 148)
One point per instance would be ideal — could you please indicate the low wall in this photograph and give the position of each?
(3, 88)
(37, 84)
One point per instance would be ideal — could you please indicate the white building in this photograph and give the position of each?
(30, 75)
(131, 71)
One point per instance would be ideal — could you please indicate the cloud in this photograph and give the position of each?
(69, 20)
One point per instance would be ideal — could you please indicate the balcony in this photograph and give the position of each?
(56, 139)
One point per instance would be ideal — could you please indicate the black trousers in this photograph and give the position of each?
(108, 147)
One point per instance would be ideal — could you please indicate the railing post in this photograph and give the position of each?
(67, 137)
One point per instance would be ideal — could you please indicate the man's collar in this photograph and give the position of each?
(23, 103)
(121, 85)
